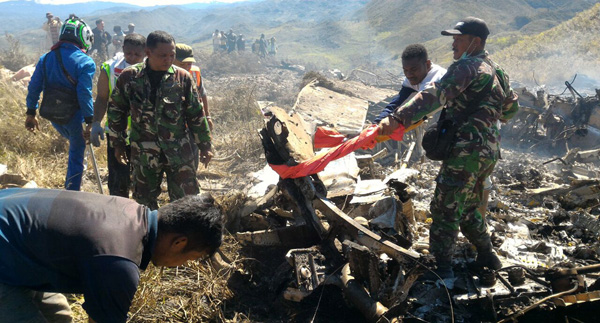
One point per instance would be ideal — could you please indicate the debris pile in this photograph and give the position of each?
(365, 233)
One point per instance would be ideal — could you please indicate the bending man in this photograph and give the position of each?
(56, 241)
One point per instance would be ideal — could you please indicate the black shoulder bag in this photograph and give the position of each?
(440, 137)
(59, 103)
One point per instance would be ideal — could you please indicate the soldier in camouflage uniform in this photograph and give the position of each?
(167, 119)
(460, 181)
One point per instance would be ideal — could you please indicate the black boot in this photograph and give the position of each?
(443, 270)
(488, 259)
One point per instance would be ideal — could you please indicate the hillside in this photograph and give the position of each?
(402, 22)
(327, 34)
(556, 55)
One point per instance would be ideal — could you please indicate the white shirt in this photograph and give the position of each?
(435, 74)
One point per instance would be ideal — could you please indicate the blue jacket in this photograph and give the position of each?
(404, 93)
(81, 68)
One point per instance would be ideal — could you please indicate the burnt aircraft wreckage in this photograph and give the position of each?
(361, 225)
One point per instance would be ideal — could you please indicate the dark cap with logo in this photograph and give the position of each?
(469, 26)
(184, 53)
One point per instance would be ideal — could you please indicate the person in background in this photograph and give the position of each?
(52, 27)
(223, 45)
(241, 43)
(272, 46)
(117, 39)
(184, 58)
(75, 40)
(231, 41)
(56, 241)
(216, 40)
(101, 40)
(262, 46)
(133, 53)
(130, 28)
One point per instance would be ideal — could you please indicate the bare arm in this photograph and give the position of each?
(101, 103)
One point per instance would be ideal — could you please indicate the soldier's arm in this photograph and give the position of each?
(404, 93)
(457, 79)
(118, 111)
(101, 103)
(422, 104)
(510, 106)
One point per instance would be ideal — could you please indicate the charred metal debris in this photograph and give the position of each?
(367, 235)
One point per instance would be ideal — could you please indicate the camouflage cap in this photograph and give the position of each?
(184, 53)
(469, 26)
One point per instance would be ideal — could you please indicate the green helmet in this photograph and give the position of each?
(77, 31)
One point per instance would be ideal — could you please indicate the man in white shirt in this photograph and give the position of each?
(216, 39)
(420, 73)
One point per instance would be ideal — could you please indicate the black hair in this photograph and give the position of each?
(415, 51)
(198, 218)
(158, 36)
(99, 21)
(134, 39)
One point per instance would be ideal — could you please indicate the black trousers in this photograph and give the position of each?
(119, 180)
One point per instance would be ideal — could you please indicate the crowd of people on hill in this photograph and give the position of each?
(229, 42)
(105, 43)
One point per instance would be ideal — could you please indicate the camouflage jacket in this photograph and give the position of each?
(464, 79)
(169, 125)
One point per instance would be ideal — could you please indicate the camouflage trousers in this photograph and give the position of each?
(181, 181)
(458, 194)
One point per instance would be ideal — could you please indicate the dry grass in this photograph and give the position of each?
(191, 293)
(41, 157)
(13, 57)
(237, 118)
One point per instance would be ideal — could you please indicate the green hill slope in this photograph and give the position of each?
(556, 55)
(341, 34)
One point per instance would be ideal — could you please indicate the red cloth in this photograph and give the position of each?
(365, 140)
(327, 137)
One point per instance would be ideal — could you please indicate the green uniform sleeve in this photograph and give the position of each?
(421, 105)
(118, 112)
(510, 105)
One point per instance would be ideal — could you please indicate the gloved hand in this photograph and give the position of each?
(96, 134)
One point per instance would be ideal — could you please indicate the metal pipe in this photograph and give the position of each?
(358, 296)
(587, 269)
(96, 170)
(538, 303)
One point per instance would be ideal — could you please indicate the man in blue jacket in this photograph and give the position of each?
(75, 39)
(56, 241)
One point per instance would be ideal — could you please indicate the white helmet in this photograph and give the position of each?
(77, 31)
